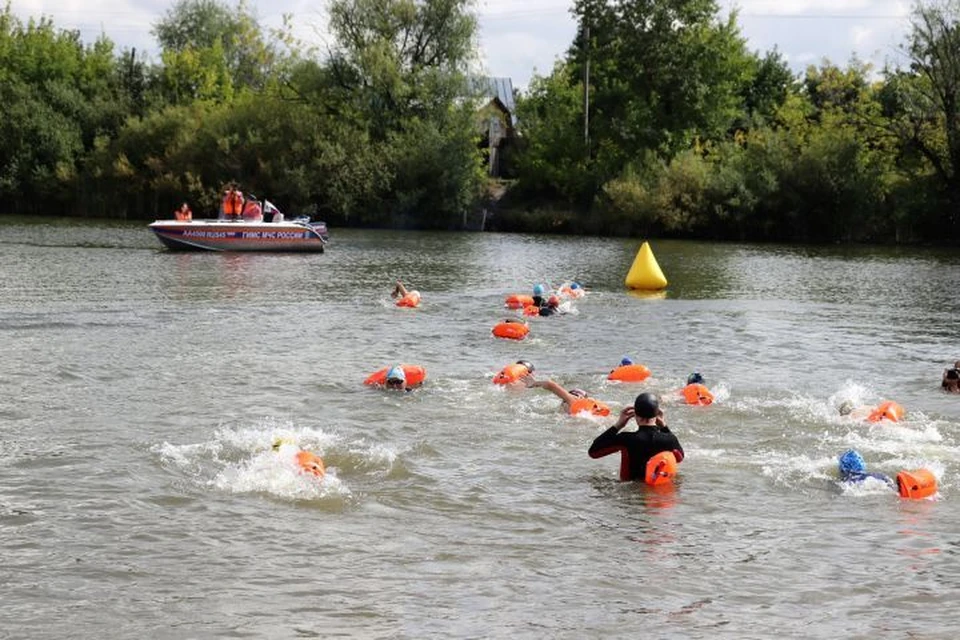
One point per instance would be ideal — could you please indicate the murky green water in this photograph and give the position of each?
(141, 390)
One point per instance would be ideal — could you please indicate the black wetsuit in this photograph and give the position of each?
(548, 311)
(636, 448)
(538, 301)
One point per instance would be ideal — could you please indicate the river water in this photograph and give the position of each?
(141, 391)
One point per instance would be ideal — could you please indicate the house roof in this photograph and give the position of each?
(493, 87)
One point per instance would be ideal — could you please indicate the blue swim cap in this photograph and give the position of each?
(852, 462)
(695, 378)
(396, 373)
(575, 285)
(625, 360)
(538, 290)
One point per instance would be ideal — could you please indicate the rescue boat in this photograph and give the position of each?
(299, 234)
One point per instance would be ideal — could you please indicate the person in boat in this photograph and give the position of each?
(637, 447)
(252, 211)
(853, 469)
(574, 400)
(951, 379)
(231, 206)
(396, 380)
(269, 209)
(183, 214)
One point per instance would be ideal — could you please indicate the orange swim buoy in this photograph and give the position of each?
(629, 373)
(917, 484)
(415, 374)
(511, 329)
(569, 292)
(589, 405)
(518, 301)
(661, 469)
(531, 310)
(697, 394)
(310, 463)
(887, 410)
(512, 373)
(411, 300)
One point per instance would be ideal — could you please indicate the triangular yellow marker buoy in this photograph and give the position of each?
(645, 273)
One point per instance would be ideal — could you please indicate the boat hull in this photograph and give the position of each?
(216, 235)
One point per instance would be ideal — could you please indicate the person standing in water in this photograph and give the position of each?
(637, 447)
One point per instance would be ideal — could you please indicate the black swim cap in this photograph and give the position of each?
(646, 406)
(526, 364)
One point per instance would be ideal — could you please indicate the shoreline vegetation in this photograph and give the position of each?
(688, 133)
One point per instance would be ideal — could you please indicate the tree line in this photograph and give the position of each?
(657, 121)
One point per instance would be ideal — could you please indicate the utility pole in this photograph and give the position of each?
(586, 90)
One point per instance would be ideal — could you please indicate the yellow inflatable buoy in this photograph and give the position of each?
(645, 273)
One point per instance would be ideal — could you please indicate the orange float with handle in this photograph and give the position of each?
(661, 469)
(920, 483)
(411, 300)
(531, 310)
(588, 405)
(415, 374)
(886, 410)
(629, 373)
(513, 372)
(511, 329)
(310, 463)
(518, 301)
(697, 394)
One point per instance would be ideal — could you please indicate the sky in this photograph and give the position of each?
(520, 38)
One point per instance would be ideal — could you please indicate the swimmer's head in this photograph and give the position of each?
(646, 406)
(396, 376)
(851, 462)
(575, 285)
(578, 393)
(538, 290)
(695, 378)
(526, 364)
(625, 360)
(846, 408)
(553, 301)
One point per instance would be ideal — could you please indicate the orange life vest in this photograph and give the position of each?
(630, 373)
(310, 463)
(697, 394)
(916, 484)
(233, 202)
(511, 329)
(412, 299)
(518, 301)
(661, 468)
(589, 405)
(511, 373)
(887, 410)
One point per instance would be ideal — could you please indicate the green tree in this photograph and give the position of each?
(924, 104)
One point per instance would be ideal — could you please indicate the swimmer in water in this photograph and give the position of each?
(306, 462)
(853, 469)
(637, 447)
(951, 379)
(396, 380)
(574, 400)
